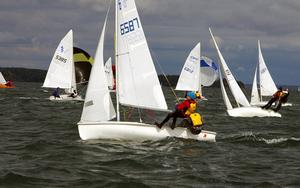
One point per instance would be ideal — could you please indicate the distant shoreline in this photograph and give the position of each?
(18, 74)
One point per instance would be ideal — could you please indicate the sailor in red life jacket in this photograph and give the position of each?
(180, 110)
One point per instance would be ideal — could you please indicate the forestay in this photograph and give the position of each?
(60, 72)
(138, 84)
(267, 85)
(189, 79)
(233, 85)
(98, 105)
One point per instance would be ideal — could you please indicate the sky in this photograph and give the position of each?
(30, 31)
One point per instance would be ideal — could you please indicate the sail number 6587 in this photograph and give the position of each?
(129, 26)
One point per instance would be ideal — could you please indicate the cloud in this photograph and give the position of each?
(32, 29)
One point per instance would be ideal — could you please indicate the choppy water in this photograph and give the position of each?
(40, 147)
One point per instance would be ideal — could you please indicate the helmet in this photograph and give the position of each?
(191, 94)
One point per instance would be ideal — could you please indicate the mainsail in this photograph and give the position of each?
(138, 83)
(189, 79)
(254, 93)
(61, 70)
(267, 85)
(233, 85)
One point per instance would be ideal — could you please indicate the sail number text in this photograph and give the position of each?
(59, 58)
(129, 26)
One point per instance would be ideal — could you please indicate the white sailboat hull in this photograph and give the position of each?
(252, 112)
(262, 103)
(137, 132)
(65, 97)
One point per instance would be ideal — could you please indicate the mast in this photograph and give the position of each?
(200, 88)
(116, 60)
(258, 69)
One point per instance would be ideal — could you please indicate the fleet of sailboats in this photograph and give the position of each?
(61, 71)
(267, 86)
(137, 85)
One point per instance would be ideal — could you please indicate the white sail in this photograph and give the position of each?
(109, 73)
(233, 85)
(254, 93)
(267, 85)
(224, 94)
(209, 71)
(60, 72)
(138, 83)
(2, 80)
(190, 74)
(98, 104)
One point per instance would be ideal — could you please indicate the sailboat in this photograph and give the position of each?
(197, 71)
(61, 71)
(3, 83)
(267, 85)
(137, 85)
(244, 109)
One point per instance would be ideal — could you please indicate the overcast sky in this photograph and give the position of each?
(30, 31)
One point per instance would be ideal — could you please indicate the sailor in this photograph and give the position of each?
(276, 96)
(182, 110)
(9, 83)
(282, 99)
(56, 93)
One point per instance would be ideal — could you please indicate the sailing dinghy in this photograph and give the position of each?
(244, 109)
(266, 83)
(3, 83)
(137, 85)
(61, 72)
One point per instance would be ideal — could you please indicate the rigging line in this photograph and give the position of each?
(164, 74)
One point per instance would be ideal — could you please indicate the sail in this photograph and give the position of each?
(254, 92)
(224, 94)
(2, 80)
(190, 74)
(83, 64)
(233, 85)
(60, 72)
(209, 71)
(267, 85)
(138, 83)
(109, 74)
(98, 104)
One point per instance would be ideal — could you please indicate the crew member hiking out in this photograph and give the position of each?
(182, 110)
(276, 96)
(283, 99)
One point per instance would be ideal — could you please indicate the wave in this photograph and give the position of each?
(252, 138)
